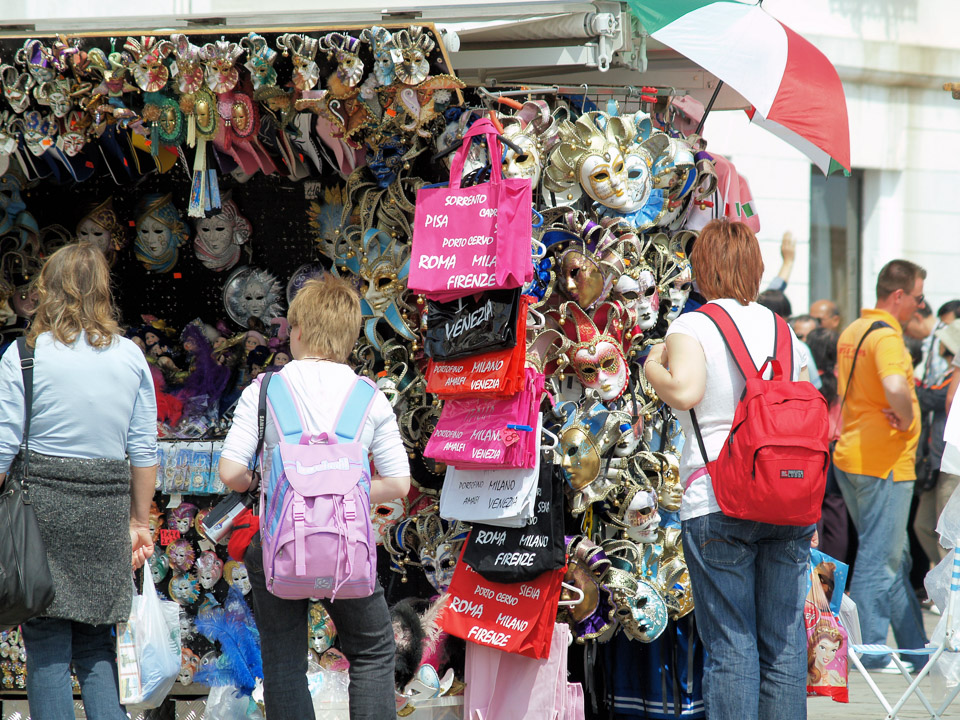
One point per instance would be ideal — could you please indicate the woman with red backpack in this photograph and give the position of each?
(747, 575)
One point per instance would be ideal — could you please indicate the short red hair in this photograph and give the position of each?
(726, 262)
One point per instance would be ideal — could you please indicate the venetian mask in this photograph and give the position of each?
(306, 73)
(209, 569)
(236, 574)
(322, 630)
(37, 60)
(219, 57)
(189, 663)
(679, 290)
(260, 59)
(159, 566)
(184, 589)
(579, 457)
(11, 202)
(180, 517)
(385, 53)
(251, 293)
(642, 517)
(386, 514)
(580, 279)
(387, 161)
(160, 232)
(55, 95)
(39, 132)
(16, 87)
(438, 564)
(638, 289)
(101, 227)
(181, 555)
(24, 300)
(218, 238)
(597, 357)
(534, 131)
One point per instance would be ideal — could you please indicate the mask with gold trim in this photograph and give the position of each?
(101, 226)
(260, 60)
(160, 233)
(148, 70)
(593, 616)
(596, 355)
(219, 59)
(587, 451)
(534, 129)
(641, 609)
(306, 73)
(16, 87)
(55, 94)
(414, 45)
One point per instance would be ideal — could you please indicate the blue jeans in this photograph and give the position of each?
(749, 584)
(366, 638)
(881, 585)
(51, 645)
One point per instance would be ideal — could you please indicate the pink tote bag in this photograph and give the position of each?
(466, 240)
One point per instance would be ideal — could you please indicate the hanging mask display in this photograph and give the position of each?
(678, 289)
(414, 45)
(219, 238)
(73, 136)
(260, 59)
(168, 125)
(184, 589)
(209, 569)
(160, 233)
(55, 94)
(440, 544)
(39, 132)
(597, 356)
(181, 554)
(101, 227)
(535, 132)
(345, 50)
(159, 566)
(306, 72)
(593, 616)
(386, 515)
(188, 70)
(385, 54)
(149, 71)
(641, 609)
(235, 573)
(189, 664)
(637, 289)
(252, 293)
(219, 59)
(322, 630)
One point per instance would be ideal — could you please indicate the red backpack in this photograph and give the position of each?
(773, 465)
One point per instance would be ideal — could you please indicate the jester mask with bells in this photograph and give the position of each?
(589, 258)
(602, 154)
(596, 355)
(637, 290)
(641, 608)
(588, 436)
(534, 130)
(592, 617)
(664, 564)
(383, 263)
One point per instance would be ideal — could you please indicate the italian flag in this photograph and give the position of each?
(793, 88)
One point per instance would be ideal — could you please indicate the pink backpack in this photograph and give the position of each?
(318, 540)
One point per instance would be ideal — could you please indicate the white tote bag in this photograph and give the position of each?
(494, 497)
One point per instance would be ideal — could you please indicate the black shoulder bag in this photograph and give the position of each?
(26, 586)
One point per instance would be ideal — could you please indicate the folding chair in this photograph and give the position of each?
(950, 643)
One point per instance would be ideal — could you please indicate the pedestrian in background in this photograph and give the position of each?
(874, 457)
(93, 466)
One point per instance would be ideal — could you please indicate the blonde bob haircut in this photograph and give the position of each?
(75, 296)
(327, 312)
(726, 262)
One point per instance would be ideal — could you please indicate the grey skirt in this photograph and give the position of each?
(83, 509)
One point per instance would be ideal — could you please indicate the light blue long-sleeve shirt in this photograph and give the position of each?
(87, 403)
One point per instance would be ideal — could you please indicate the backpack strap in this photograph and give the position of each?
(353, 413)
(877, 324)
(736, 345)
(285, 411)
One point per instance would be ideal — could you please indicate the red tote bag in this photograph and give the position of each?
(466, 240)
(513, 617)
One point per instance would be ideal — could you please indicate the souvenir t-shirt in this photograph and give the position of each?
(724, 387)
(868, 444)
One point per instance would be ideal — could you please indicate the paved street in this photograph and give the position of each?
(864, 705)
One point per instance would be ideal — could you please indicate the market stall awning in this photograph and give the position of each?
(794, 90)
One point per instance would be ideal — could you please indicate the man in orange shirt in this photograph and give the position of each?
(874, 457)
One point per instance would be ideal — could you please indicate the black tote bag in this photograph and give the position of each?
(510, 555)
(471, 326)
(26, 586)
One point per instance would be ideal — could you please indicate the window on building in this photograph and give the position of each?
(835, 243)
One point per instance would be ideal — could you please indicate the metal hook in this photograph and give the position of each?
(556, 440)
(576, 591)
(583, 102)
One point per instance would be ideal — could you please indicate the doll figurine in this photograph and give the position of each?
(160, 233)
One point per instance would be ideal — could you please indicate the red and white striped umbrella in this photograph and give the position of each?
(795, 91)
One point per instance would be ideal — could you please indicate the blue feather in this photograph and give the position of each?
(233, 627)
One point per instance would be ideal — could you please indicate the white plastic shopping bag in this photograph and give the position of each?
(148, 648)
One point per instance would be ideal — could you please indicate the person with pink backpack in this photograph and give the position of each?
(318, 425)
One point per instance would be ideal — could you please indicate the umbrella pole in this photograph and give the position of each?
(709, 107)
